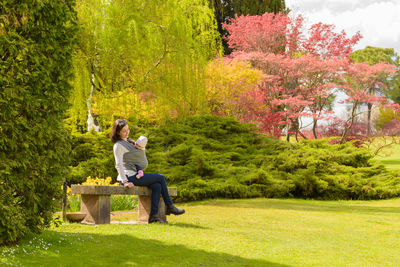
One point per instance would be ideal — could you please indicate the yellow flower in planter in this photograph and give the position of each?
(99, 181)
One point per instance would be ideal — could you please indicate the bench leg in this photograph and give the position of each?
(97, 208)
(145, 206)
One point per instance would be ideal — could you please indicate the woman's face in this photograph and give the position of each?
(124, 133)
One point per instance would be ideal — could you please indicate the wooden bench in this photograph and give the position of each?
(95, 201)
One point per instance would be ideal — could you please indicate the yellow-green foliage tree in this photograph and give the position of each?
(142, 58)
(386, 115)
(227, 82)
(127, 103)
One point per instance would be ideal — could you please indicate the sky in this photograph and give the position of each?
(377, 20)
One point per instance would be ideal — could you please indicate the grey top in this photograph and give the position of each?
(127, 156)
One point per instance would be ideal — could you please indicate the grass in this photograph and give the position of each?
(390, 156)
(391, 159)
(252, 232)
(117, 202)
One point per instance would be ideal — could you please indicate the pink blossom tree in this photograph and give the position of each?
(359, 80)
(301, 68)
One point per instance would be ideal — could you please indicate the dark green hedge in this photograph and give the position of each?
(209, 157)
(36, 45)
(92, 155)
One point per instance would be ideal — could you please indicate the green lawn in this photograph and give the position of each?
(255, 232)
(390, 157)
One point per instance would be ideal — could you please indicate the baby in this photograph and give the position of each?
(141, 159)
(141, 142)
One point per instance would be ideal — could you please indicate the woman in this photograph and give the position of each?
(130, 173)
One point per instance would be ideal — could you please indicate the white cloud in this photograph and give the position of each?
(336, 6)
(377, 21)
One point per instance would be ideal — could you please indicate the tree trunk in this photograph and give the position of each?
(369, 119)
(314, 129)
(302, 135)
(371, 92)
(346, 129)
(296, 128)
(288, 127)
(90, 121)
(288, 134)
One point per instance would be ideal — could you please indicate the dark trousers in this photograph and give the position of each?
(158, 185)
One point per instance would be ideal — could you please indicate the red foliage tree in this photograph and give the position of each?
(360, 77)
(301, 68)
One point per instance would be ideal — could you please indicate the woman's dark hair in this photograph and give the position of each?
(117, 127)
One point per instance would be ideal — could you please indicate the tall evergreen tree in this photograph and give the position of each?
(36, 45)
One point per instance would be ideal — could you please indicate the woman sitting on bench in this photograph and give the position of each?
(130, 160)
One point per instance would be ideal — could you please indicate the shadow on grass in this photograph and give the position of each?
(187, 225)
(306, 205)
(391, 162)
(394, 162)
(126, 250)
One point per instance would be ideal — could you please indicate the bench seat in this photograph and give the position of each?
(95, 201)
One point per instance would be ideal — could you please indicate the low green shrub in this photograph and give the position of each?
(209, 156)
(91, 155)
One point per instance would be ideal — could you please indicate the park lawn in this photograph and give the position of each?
(251, 232)
(390, 157)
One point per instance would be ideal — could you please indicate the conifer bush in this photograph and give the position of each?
(91, 155)
(36, 44)
(210, 157)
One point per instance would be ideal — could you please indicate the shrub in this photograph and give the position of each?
(91, 155)
(210, 156)
(36, 44)
(233, 161)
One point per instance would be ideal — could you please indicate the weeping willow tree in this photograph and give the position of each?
(142, 59)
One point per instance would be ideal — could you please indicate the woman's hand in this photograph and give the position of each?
(129, 184)
(140, 174)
